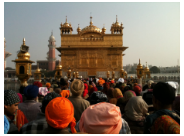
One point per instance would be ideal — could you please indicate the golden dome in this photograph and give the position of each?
(37, 70)
(91, 28)
(116, 23)
(59, 67)
(139, 66)
(66, 24)
(146, 68)
(22, 55)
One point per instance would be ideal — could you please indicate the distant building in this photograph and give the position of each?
(6, 54)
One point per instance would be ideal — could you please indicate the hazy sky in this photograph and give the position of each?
(151, 29)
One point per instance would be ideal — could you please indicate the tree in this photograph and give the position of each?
(154, 69)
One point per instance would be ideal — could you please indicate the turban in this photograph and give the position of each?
(137, 89)
(31, 91)
(65, 93)
(121, 80)
(48, 85)
(112, 81)
(10, 97)
(20, 97)
(6, 125)
(101, 118)
(47, 99)
(43, 91)
(77, 87)
(59, 114)
(37, 84)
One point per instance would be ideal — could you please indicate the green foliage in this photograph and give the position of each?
(154, 69)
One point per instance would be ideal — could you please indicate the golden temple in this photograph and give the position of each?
(92, 52)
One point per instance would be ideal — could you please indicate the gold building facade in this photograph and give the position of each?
(91, 52)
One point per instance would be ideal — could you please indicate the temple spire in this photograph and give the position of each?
(24, 40)
(116, 18)
(66, 19)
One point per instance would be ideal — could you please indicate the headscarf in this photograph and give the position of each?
(77, 87)
(20, 97)
(137, 89)
(37, 84)
(101, 81)
(6, 125)
(166, 125)
(136, 108)
(47, 99)
(10, 97)
(31, 91)
(65, 93)
(117, 93)
(93, 89)
(43, 91)
(48, 85)
(127, 95)
(59, 114)
(101, 118)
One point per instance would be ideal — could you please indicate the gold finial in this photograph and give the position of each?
(24, 41)
(91, 20)
(66, 19)
(139, 61)
(116, 18)
(52, 32)
(146, 64)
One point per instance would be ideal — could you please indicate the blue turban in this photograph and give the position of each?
(31, 91)
(6, 125)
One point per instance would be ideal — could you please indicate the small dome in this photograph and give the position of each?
(22, 55)
(52, 38)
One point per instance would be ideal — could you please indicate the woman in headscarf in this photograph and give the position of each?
(48, 85)
(122, 102)
(85, 92)
(102, 118)
(135, 112)
(117, 94)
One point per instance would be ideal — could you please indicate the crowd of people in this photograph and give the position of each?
(92, 106)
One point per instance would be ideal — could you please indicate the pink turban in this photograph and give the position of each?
(101, 118)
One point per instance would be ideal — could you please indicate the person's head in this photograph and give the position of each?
(47, 99)
(97, 97)
(63, 84)
(65, 93)
(128, 87)
(20, 97)
(106, 86)
(77, 87)
(117, 93)
(149, 83)
(57, 90)
(31, 92)
(37, 84)
(11, 101)
(48, 85)
(59, 114)
(110, 93)
(90, 82)
(101, 118)
(137, 89)
(163, 96)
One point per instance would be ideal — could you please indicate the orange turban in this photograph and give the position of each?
(101, 118)
(48, 85)
(59, 114)
(65, 93)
